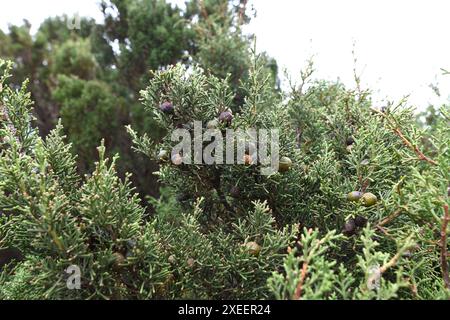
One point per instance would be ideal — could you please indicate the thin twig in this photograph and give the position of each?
(444, 263)
(203, 10)
(242, 12)
(387, 234)
(391, 217)
(298, 290)
(414, 148)
(364, 184)
(391, 262)
(406, 142)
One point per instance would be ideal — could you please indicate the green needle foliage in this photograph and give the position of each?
(224, 231)
(57, 218)
(339, 143)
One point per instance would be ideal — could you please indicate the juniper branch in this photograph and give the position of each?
(406, 142)
(444, 254)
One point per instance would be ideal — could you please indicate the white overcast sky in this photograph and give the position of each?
(400, 44)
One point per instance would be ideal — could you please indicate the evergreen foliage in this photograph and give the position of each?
(358, 208)
(339, 143)
(57, 219)
(114, 57)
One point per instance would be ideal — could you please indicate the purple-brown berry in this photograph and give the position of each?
(235, 192)
(166, 107)
(360, 221)
(226, 117)
(349, 227)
